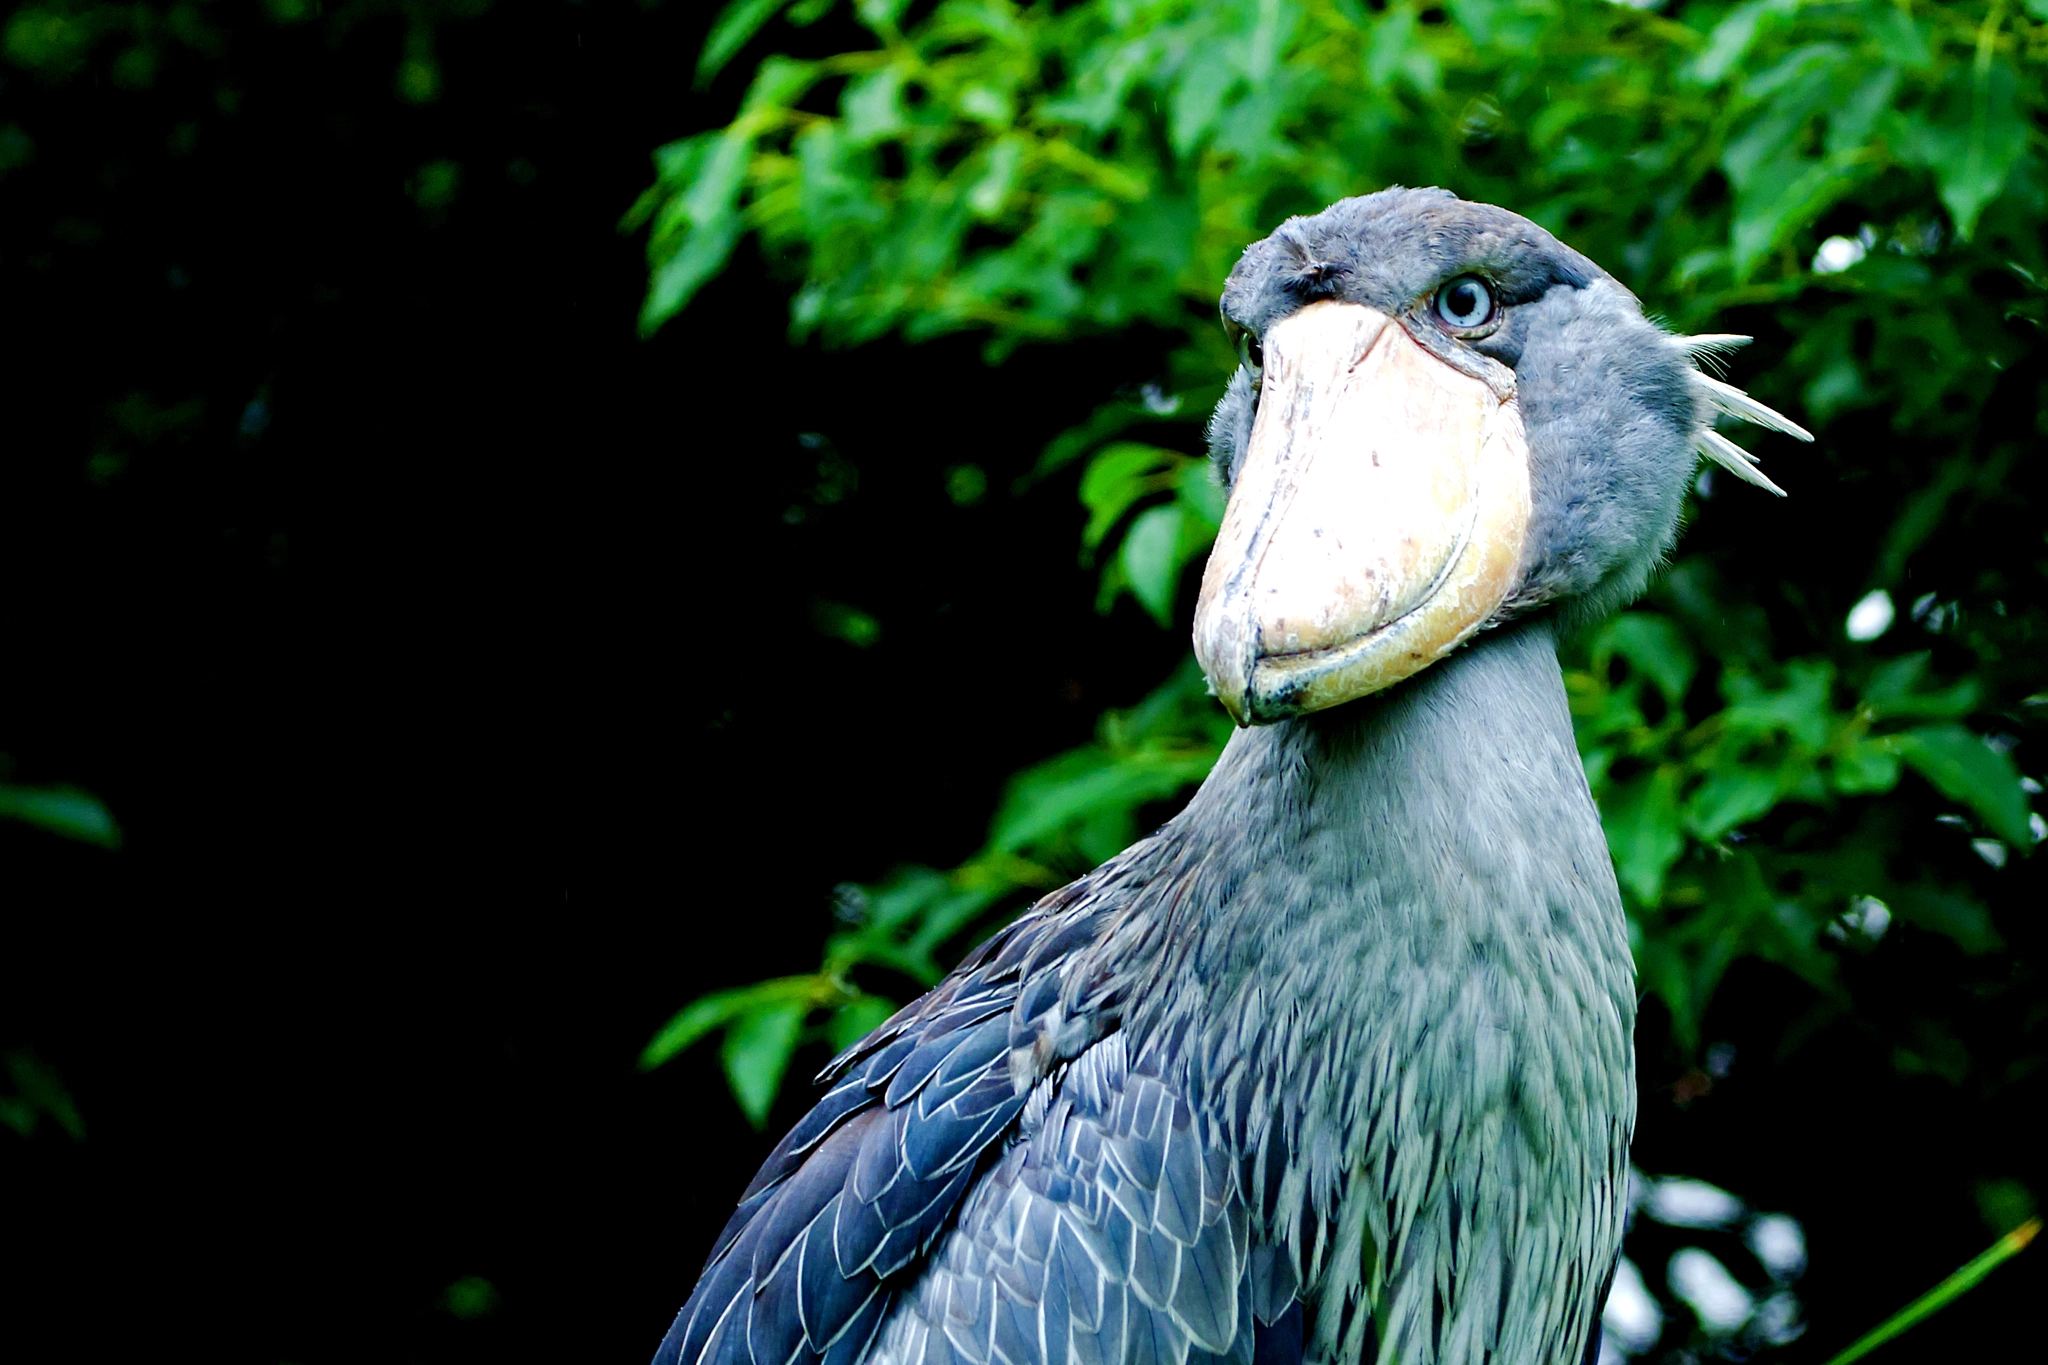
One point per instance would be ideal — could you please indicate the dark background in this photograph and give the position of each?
(450, 659)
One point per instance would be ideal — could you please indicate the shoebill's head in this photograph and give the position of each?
(1445, 418)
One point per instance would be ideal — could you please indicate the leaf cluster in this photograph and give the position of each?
(1857, 182)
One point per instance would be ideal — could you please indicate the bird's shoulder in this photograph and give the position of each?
(1109, 1232)
(854, 1196)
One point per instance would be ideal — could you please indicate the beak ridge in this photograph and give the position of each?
(1377, 521)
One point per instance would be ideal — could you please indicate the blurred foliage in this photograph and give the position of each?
(38, 1094)
(1860, 183)
(60, 810)
(133, 42)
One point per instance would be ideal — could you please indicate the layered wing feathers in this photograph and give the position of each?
(848, 1205)
(1109, 1233)
(987, 1181)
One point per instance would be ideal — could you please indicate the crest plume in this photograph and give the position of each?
(1725, 400)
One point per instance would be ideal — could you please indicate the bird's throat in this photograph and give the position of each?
(1393, 931)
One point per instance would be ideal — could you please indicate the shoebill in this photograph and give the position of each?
(1337, 1066)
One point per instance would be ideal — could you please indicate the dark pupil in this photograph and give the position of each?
(1464, 301)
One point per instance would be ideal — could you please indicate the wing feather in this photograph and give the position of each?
(1106, 1234)
(988, 1180)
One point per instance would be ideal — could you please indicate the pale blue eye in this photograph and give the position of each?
(1465, 302)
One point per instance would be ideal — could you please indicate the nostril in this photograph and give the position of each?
(1317, 279)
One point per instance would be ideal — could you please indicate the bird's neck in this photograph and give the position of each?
(1386, 946)
(1390, 867)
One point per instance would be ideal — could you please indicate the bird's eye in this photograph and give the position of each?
(1465, 302)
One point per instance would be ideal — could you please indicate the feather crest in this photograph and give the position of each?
(1733, 402)
(1709, 350)
(1723, 399)
(1734, 459)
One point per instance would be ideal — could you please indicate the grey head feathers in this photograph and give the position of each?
(1386, 249)
(1618, 411)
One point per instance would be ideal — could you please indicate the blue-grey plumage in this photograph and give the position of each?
(1337, 1066)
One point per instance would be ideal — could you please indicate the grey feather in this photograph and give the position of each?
(1728, 399)
(1735, 460)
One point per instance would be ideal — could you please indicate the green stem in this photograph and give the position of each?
(1939, 1297)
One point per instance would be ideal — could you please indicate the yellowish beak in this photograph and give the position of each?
(1377, 521)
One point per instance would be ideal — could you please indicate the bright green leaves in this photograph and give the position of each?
(940, 131)
(1038, 171)
(1073, 811)
(1781, 182)
(758, 1046)
(1853, 90)
(694, 212)
(693, 209)
(735, 25)
(1162, 540)
(1678, 789)
(1116, 478)
(763, 1024)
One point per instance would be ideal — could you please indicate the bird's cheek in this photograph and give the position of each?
(1377, 520)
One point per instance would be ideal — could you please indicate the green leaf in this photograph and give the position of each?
(1948, 913)
(757, 1050)
(1894, 692)
(736, 23)
(63, 811)
(856, 1019)
(692, 1022)
(1654, 648)
(1112, 418)
(841, 622)
(1087, 783)
(992, 191)
(1970, 137)
(1868, 766)
(874, 106)
(720, 1008)
(1788, 195)
(1731, 39)
(697, 226)
(471, 1297)
(1152, 562)
(1643, 829)
(1899, 36)
(1116, 478)
(908, 893)
(1726, 800)
(1963, 768)
(1197, 490)
(1799, 709)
